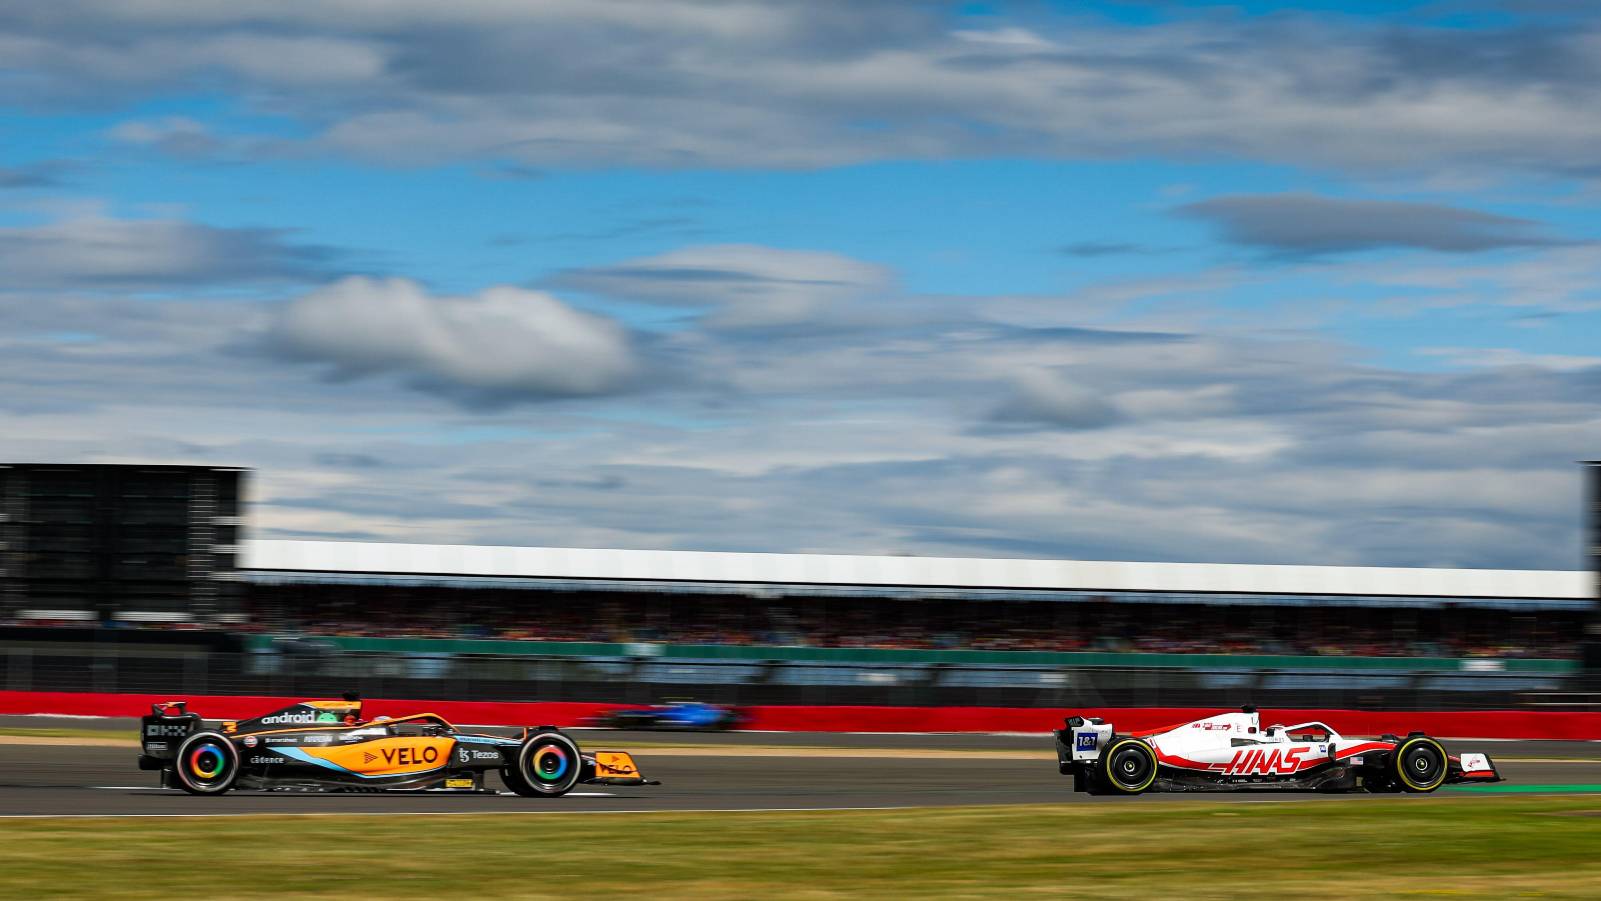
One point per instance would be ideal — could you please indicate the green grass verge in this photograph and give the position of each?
(1393, 847)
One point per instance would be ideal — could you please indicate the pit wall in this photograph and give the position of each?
(1492, 724)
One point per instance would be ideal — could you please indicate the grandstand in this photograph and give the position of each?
(676, 597)
(409, 620)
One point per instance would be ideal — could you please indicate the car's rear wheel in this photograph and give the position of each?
(1127, 767)
(207, 763)
(1418, 764)
(548, 765)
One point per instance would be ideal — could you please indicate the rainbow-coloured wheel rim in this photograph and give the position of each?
(550, 763)
(207, 762)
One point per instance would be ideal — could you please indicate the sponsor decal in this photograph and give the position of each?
(167, 729)
(266, 760)
(316, 738)
(1084, 741)
(1213, 727)
(611, 764)
(299, 717)
(1475, 762)
(392, 756)
(283, 740)
(459, 783)
(250, 741)
(406, 756)
(1257, 762)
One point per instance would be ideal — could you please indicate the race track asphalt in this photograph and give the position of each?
(710, 774)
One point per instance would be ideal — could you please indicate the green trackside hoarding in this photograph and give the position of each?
(889, 656)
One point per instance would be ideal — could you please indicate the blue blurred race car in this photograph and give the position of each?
(688, 716)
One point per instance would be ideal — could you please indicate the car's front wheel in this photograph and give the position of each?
(1418, 764)
(547, 765)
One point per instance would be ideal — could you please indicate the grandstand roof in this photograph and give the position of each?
(493, 562)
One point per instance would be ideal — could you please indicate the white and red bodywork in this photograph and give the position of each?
(1234, 751)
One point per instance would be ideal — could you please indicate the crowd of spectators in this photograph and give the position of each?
(1089, 624)
(1097, 624)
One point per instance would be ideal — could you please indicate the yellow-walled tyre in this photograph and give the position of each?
(1419, 764)
(1127, 767)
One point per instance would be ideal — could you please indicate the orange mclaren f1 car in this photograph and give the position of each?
(329, 746)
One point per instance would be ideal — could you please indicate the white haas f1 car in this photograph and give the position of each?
(1232, 752)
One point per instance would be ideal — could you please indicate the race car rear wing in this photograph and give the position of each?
(1082, 739)
(165, 728)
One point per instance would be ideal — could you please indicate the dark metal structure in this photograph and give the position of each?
(1592, 547)
(100, 542)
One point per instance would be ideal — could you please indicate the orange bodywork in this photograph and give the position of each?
(615, 765)
(389, 756)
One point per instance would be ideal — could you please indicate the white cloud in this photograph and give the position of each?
(864, 439)
(745, 285)
(679, 83)
(1045, 396)
(89, 249)
(1313, 224)
(1499, 357)
(503, 344)
(179, 136)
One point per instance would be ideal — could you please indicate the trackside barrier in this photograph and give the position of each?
(1510, 724)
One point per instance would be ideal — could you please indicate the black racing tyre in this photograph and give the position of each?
(1127, 767)
(548, 765)
(1418, 764)
(207, 763)
(515, 782)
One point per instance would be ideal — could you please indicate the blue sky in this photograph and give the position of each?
(1182, 281)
